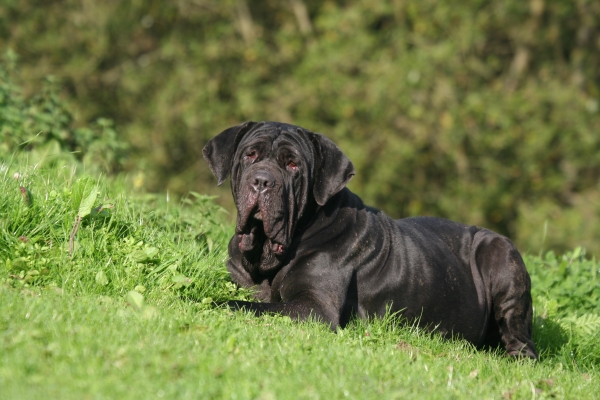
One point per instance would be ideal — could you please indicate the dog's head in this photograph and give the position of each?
(278, 171)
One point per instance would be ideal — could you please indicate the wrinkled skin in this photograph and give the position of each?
(310, 247)
(270, 195)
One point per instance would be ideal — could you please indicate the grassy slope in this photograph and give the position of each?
(60, 346)
(71, 328)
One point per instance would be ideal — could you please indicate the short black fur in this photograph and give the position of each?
(310, 247)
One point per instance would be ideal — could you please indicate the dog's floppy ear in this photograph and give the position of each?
(333, 169)
(219, 151)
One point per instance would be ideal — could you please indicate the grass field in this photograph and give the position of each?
(109, 294)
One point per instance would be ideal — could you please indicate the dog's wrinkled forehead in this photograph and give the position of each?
(279, 134)
(313, 154)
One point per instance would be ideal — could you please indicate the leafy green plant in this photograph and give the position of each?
(569, 337)
(570, 280)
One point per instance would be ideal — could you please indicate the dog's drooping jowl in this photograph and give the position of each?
(310, 247)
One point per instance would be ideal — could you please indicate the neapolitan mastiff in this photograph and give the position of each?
(311, 247)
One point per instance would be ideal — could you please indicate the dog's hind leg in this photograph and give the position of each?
(509, 290)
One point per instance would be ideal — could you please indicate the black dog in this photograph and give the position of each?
(311, 247)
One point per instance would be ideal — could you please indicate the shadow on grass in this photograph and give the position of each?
(549, 336)
(558, 343)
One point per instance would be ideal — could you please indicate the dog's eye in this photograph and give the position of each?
(251, 155)
(292, 165)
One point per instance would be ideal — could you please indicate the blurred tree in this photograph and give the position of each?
(481, 111)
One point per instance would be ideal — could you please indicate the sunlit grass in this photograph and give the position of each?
(128, 312)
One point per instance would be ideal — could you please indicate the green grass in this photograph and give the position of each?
(61, 346)
(126, 312)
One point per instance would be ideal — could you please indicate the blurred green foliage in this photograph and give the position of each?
(40, 127)
(485, 112)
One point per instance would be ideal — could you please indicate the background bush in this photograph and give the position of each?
(40, 127)
(485, 112)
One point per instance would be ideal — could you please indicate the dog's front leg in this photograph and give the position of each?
(299, 309)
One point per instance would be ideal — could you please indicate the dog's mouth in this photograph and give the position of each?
(252, 235)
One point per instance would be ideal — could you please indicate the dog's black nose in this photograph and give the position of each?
(262, 180)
